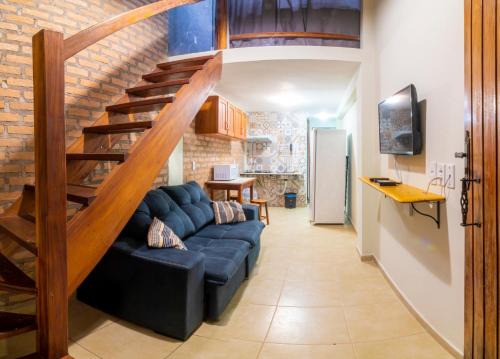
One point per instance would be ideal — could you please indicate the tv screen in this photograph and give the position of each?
(399, 124)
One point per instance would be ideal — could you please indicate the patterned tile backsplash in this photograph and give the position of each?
(286, 153)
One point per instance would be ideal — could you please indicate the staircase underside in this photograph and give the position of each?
(106, 209)
(91, 232)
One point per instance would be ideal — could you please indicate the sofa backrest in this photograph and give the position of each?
(193, 201)
(158, 204)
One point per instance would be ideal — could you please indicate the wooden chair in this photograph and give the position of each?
(262, 203)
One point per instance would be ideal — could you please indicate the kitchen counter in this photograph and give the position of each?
(271, 174)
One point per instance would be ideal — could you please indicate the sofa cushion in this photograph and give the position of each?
(193, 201)
(223, 258)
(248, 231)
(168, 256)
(158, 204)
(228, 212)
(161, 236)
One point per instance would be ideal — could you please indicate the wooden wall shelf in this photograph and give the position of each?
(404, 193)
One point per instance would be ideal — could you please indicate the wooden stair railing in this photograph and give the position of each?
(66, 252)
(88, 37)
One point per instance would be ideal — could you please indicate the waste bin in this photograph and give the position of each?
(290, 200)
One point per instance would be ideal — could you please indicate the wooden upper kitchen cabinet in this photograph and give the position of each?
(244, 125)
(220, 118)
(237, 123)
(231, 119)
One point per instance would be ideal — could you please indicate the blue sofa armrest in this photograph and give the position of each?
(160, 289)
(251, 212)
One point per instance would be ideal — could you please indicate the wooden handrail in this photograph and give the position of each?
(294, 35)
(85, 38)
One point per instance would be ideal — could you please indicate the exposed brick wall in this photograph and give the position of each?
(95, 78)
(207, 151)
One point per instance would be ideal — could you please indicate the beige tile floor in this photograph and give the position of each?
(309, 297)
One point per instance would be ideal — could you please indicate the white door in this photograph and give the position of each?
(312, 170)
(329, 176)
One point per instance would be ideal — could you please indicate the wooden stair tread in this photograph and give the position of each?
(12, 324)
(75, 193)
(113, 157)
(36, 356)
(39, 356)
(191, 61)
(155, 104)
(156, 89)
(29, 217)
(14, 279)
(21, 230)
(161, 76)
(81, 194)
(124, 127)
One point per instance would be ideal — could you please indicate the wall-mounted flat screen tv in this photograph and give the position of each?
(399, 124)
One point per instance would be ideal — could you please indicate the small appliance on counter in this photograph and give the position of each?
(226, 172)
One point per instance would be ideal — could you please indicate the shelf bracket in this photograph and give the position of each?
(436, 218)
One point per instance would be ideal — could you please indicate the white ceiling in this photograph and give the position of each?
(311, 86)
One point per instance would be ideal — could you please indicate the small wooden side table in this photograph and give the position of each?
(235, 185)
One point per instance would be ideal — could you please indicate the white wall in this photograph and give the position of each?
(367, 126)
(176, 165)
(348, 118)
(350, 121)
(421, 42)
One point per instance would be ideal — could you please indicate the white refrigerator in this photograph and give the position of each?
(327, 175)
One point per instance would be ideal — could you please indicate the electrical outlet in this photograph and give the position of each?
(441, 172)
(450, 176)
(433, 169)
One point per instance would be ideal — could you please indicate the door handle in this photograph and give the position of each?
(464, 202)
(466, 182)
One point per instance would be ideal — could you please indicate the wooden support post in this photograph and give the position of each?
(50, 197)
(222, 25)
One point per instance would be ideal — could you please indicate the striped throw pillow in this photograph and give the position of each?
(228, 212)
(161, 236)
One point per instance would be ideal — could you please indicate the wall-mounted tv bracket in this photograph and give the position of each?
(466, 182)
(436, 219)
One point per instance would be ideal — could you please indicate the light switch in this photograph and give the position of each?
(441, 172)
(433, 169)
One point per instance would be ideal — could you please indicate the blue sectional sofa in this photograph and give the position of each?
(169, 290)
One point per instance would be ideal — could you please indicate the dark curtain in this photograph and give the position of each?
(326, 16)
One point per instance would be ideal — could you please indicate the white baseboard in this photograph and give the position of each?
(427, 326)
